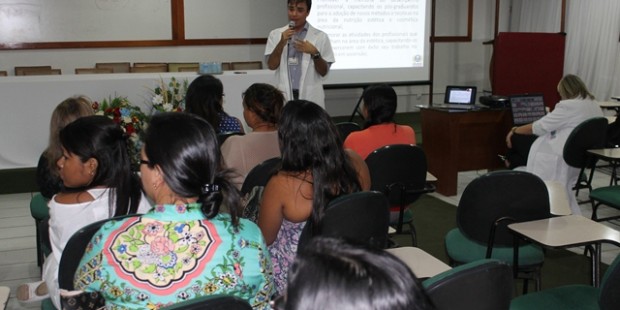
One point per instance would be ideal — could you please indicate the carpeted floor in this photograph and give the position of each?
(433, 218)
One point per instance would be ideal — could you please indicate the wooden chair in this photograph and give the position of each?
(226, 66)
(246, 65)
(43, 72)
(183, 66)
(147, 69)
(117, 67)
(21, 70)
(3, 73)
(93, 70)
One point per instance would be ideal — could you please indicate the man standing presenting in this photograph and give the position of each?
(300, 54)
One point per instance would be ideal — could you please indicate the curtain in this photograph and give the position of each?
(592, 48)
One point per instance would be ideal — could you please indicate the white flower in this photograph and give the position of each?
(127, 119)
(100, 112)
(158, 99)
(167, 107)
(179, 97)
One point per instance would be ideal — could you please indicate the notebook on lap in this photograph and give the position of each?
(459, 98)
(527, 108)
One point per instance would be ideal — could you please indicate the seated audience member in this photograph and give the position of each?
(95, 161)
(205, 98)
(315, 170)
(332, 274)
(70, 109)
(262, 106)
(545, 158)
(380, 129)
(185, 247)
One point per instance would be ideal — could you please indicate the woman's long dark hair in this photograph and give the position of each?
(310, 141)
(185, 147)
(100, 138)
(380, 102)
(332, 274)
(204, 98)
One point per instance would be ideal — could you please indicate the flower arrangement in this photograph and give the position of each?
(169, 97)
(130, 118)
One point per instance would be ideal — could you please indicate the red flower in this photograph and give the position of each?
(129, 128)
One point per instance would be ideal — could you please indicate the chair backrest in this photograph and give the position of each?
(3, 73)
(183, 66)
(93, 70)
(43, 72)
(74, 250)
(149, 68)
(212, 302)
(610, 286)
(397, 165)
(516, 196)
(482, 285)
(359, 218)
(247, 65)
(345, 128)
(117, 67)
(260, 175)
(226, 66)
(590, 134)
(22, 69)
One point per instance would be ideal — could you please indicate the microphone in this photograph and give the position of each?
(291, 25)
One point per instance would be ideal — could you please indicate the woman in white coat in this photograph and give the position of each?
(545, 158)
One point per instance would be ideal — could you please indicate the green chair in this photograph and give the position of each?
(608, 196)
(576, 296)
(40, 213)
(485, 284)
(488, 204)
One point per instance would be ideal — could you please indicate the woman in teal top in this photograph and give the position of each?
(186, 247)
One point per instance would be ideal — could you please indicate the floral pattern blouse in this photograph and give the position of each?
(173, 254)
(283, 251)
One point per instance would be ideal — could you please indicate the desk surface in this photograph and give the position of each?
(606, 154)
(558, 198)
(609, 104)
(421, 263)
(566, 231)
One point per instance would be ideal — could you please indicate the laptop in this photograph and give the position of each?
(527, 108)
(459, 98)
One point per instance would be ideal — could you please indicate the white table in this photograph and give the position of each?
(421, 263)
(611, 155)
(558, 198)
(567, 232)
(4, 296)
(27, 103)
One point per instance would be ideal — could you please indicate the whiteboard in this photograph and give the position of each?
(84, 20)
(233, 19)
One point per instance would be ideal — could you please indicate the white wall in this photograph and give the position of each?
(455, 63)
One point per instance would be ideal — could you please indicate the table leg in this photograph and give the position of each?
(596, 263)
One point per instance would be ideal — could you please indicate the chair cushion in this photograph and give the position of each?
(38, 207)
(463, 250)
(578, 297)
(608, 195)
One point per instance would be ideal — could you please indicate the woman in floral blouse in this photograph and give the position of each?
(186, 247)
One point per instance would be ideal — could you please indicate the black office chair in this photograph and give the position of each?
(359, 218)
(590, 134)
(488, 204)
(399, 172)
(576, 296)
(254, 184)
(345, 128)
(213, 302)
(484, 284)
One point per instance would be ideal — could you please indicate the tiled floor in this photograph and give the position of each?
(18, 251)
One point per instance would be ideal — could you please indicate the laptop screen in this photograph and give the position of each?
(460, 95)
(527, 108)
